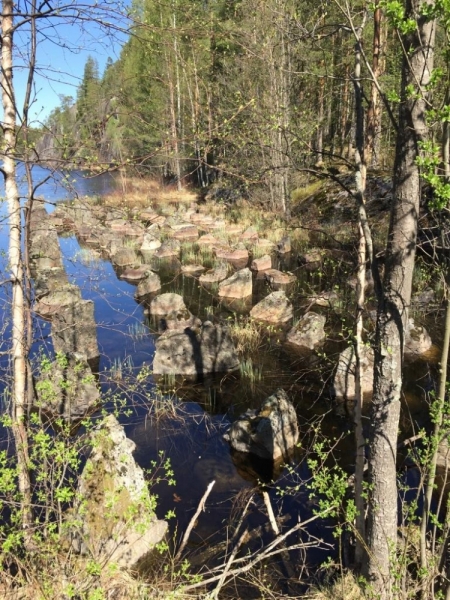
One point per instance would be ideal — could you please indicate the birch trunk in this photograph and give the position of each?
(18, 334)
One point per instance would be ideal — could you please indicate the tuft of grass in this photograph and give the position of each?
(120, 369)
(257, 251)
(88, 257)
(246, 335)
(189, 253)
(250, 371)
(345, 587)
(137, 331)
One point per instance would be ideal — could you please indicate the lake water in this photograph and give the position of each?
(191, 432)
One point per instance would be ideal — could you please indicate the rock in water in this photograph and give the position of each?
(269, 432)
(114, 518)
(195, 353)
(275, 308)
(74, 330)
(239, 285)
(344, 379)
(309, 331)
(67, 388)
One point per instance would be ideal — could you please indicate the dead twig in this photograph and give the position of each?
(190, 527)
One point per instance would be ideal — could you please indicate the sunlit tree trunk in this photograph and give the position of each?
(360, 180)
(375, 106)
(394, 304)
(18, 350)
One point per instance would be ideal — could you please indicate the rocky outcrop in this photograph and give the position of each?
(57, 300)
(311, 260)
(187, 233)
(169, 248)
(74, 330)
(195, 352)
(278, 280)
(125, 257)
(239, 285)
(269, 432)
(114, 519)
(237, 257)
(308, 333)
(43, 246)
(284, 245)
(136, 273)
(275, 308)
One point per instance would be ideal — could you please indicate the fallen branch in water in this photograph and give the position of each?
(187, 533)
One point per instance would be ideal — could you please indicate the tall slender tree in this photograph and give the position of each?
(417, 34)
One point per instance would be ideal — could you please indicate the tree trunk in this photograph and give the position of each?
(374, 110)
(360, 180)
(18, 350)
(394, 303)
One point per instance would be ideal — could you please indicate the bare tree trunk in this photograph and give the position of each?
(394, 304)
(177, 116)
(319, 138)
(279, 99)
(375, 106)
(360, 179)
(19, 359)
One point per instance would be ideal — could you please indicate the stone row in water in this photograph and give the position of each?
(67, 386)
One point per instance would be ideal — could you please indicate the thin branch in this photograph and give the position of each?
(200, 507)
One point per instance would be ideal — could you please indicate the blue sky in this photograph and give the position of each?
(62, 50)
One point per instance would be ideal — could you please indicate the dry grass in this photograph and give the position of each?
(343, 588)
(134, 191)
(246, 335)
(73, 580)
